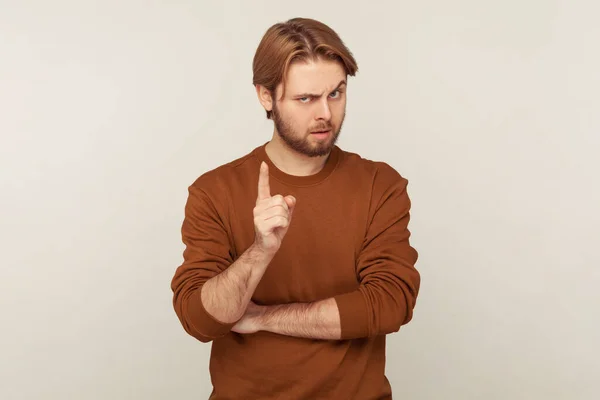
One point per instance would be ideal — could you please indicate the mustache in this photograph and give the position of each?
(321, 128)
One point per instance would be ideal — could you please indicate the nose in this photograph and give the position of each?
(323, 111)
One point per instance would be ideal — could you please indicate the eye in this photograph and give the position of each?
(335, 94)
(304, 99)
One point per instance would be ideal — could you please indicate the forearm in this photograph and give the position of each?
(348, 316)
(226, 295)
(318, 320)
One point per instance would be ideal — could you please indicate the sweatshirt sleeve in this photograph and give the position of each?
(389, 282)
(206, 254)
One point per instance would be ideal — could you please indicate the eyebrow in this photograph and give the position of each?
(299, 96)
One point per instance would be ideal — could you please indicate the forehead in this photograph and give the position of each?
(313, 77)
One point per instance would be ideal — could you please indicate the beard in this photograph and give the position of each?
(301, 143)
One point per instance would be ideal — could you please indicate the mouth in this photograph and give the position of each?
(321, 133)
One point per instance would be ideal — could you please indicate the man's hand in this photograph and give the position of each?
(272, 214)
(251, 321)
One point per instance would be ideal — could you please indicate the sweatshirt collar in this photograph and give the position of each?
(294, 180)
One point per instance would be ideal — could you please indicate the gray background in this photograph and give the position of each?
(109, 110)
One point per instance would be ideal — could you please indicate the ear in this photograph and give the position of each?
(264, 97)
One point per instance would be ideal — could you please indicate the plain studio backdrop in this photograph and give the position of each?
(110, 110)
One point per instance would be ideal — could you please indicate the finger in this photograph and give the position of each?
(278, 200)
(277, 221)
(264, 190)
(273, 212)
(271, 202)
(264, 220)
(291, 203)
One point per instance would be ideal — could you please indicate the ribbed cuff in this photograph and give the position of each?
(354, 315)
(203, 322)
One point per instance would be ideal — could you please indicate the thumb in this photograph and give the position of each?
(291, 203)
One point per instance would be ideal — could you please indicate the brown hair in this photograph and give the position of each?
(294, 40)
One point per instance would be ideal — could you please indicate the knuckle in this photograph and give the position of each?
(281, 213)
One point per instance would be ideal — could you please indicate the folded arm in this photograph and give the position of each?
(389, 282)
(210, 291)
(318, 320)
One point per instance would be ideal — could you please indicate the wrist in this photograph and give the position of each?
(261, 252)
(264, 317)
(258, 313)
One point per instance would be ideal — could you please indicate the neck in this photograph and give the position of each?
(290, 161)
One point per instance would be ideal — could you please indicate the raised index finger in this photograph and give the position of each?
(264, 190)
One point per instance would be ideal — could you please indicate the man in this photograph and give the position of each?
(297, 260)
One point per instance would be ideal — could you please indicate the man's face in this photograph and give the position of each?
(310, 116)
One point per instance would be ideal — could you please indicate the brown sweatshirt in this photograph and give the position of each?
(349, 240)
